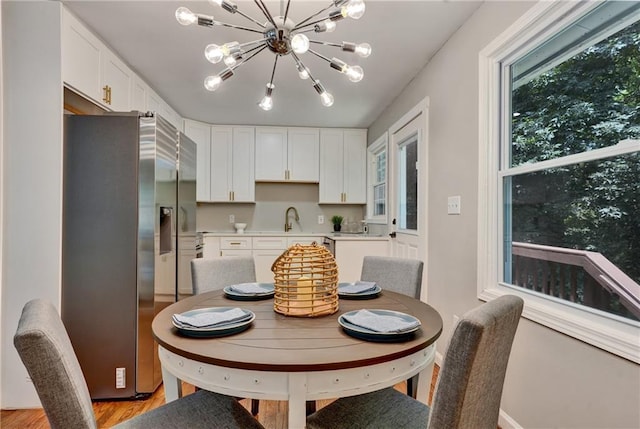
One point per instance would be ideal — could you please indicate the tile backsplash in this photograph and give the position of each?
(268, 212)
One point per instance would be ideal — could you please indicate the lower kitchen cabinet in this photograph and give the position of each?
(349, 255)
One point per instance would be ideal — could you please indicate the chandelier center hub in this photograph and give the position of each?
(279, 36)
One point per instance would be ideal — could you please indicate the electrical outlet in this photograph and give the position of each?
(121, 382)
(320, 219)
(453, 205)
(232, 219)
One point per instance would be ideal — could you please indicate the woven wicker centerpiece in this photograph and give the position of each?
(306, 281)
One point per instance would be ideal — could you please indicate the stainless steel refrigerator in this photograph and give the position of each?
(122, 222)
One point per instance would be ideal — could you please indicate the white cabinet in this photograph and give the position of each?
(232, 164)
(81, 52)
(349, 255)
(115, 82)
(211, 247)
(271, 153)
(138, 94)
(265, 251)
(225, 169)
(287, 154)
(200, 133)
(90, 68)
(343, 155)
(303, 154)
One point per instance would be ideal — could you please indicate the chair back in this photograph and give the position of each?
(45, 349)
(471, 379)
(215, 273)
(394, 274)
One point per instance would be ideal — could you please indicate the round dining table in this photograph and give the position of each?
(295, 359)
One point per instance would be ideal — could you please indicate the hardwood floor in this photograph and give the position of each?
(273, 414)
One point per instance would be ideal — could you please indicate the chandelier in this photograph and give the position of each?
(281, 36)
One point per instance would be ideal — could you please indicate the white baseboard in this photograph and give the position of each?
(504, 420)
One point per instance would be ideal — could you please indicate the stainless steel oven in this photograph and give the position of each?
(199, 245)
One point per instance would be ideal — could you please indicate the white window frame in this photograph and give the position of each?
(381, 144)
(609, 332)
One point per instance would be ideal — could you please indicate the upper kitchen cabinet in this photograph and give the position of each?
(287, 154)
(239, 165)
(200, 133)
(91, 69)
(225, 170)
(343, 155)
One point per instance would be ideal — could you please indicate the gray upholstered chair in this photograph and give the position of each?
(209, 274)
(215, 273)
(469, 386)
(45, 349)
(396, 274)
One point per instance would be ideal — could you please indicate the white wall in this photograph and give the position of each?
(552, 380)
(1, 188)
(31, 171)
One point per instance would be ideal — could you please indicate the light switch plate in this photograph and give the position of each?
(320, 219)
(453, 205)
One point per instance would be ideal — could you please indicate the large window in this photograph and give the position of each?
(566, 172)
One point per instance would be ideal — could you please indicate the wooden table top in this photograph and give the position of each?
(275, 342)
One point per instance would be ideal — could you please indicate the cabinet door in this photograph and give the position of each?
(116, 83)
(153, 101)
(264, 259)
(303, 154)
(81, 52)
(355, 167)
(220, 163)
(138, 94)
(331, 166)
(271, 153)
(243, 175)
(201, 134)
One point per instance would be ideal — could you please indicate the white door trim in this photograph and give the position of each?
(419, 110)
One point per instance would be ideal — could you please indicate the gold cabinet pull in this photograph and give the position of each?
(106, 94)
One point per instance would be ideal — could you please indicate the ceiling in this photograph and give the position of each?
(404, 35)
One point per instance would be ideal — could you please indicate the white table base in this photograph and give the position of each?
(295, 387)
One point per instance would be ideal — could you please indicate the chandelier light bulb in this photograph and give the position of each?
(300, 43)
(216, 2)
(325, 26)
(354, 73)
(363, 50)
(185, 16)
(230, 60)
(213, 53)
(326, 98)
(302, 71)
(354, 9)
(266, 103)
(211, 83)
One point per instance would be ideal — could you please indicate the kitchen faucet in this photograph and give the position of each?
(287, 224)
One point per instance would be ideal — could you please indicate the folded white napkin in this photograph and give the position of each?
(357, 287)
(248, 288)
(210, 319)
(380, 322)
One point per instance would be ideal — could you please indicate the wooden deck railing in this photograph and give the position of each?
(579, 276)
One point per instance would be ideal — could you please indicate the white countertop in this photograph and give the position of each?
(331, 235)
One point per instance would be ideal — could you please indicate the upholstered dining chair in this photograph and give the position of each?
(398, 275)
(45, 349)
(469, 386)
(209, 274)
